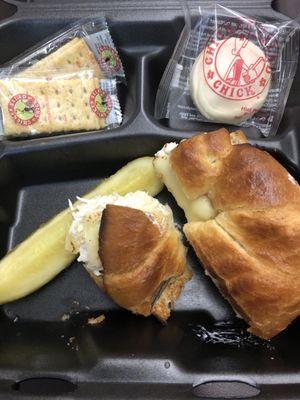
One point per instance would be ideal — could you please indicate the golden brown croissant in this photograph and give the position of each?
(132, 250)
(248, 236)
(144, 267)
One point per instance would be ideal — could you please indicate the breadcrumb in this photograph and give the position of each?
(65, 317)
(96, 320)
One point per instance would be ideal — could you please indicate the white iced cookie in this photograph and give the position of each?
(230, 80)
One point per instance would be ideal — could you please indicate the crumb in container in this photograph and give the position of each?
(97, 320)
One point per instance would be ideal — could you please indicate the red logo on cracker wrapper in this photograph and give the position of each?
(100, 103)
(235, 68)
(109, 59)
(24, 109)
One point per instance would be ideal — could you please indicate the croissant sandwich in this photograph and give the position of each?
(132, 250)
(243, 212)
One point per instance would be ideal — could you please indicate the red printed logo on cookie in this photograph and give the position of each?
(235, 68)
(109, 59)
(100, 103)
(24, 109)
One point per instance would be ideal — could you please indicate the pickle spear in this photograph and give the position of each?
(42, 256)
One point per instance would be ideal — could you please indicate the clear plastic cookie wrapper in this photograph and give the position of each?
(83, 44)
(230, 68)
(51, 102)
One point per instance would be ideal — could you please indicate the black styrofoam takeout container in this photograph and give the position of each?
(204, 350)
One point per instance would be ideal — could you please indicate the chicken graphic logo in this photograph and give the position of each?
(109, 59)
(236, 68)
(24, 109)
(100, 103)
(238, 72)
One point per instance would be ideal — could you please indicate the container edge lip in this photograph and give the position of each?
(142, 4)
(93, 137)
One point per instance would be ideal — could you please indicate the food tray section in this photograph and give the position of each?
(45, 336)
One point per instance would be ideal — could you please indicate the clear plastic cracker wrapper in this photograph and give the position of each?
(230, 68)
(85, 44)
(52, 102)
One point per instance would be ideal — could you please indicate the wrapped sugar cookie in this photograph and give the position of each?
(57, 102)
(230, 80)
(230, 68)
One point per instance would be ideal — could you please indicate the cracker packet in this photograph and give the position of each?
(86, 44)
(230, 68)
(52, 102)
